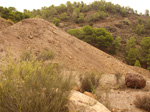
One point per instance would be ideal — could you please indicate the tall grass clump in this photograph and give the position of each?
(31, 86)
(143, 102)
(89, 82)
(45, 55)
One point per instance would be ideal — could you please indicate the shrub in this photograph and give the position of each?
(123, 12)
(126, 21)
(64, 16)
(146, 12)
(131, 56)
(116, 44)
(97, 37)
(140, 29)
(56, 21)
(137, 63)
(30, 86)
(76, 32)
(26, 56)
(131, 43)
(45, 55)
(118, 76)
(90, 82)
(140, 21)
(143, 102)
(81, 18)
(148, 24)
(94, 17)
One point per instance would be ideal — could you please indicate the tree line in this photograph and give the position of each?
(12, 14)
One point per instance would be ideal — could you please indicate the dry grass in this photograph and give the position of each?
(90, 82)
(143, 102)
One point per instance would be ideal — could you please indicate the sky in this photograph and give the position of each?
(20, 5)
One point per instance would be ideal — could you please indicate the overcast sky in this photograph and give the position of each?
(20, 5)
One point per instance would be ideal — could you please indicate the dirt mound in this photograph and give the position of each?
(4, 24)
(37, 34)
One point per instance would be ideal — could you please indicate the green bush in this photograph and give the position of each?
(31, 86)
(90, 82)
(143, 102)
(116, 44)
(131, 56)
(137, 63)
(131, 43)
(81, 18)
(97, 37)
(98, 16)
(64, 16)
(145, 49)
(140, 29)
(76, 32)
(148, 24)
(56, 21)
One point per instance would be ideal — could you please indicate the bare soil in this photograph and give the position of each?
(4, 23)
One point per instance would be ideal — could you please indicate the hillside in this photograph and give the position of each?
(76, 55)
(119, 21)
(4, 24)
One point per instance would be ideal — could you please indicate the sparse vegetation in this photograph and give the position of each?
(30, 86)
(143, 102)
(89, 82)
(26, 56)
(45, 55)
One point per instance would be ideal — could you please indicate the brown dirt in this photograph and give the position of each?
(37, 34)
(4, 24)
(122, 100)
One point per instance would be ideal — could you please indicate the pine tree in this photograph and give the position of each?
(131, 57)
(148, 61)
(130, 44)
(137, 63)
(116, 44)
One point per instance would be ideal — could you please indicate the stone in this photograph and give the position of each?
(76, 88)
(135, 81)
(79, 102)
(90, 94)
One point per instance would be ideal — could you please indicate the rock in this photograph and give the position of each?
(79, 102)
(135, 81)
(76, 88)
(90, 94)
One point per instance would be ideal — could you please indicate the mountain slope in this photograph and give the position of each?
(37, 34)
(4, 23)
